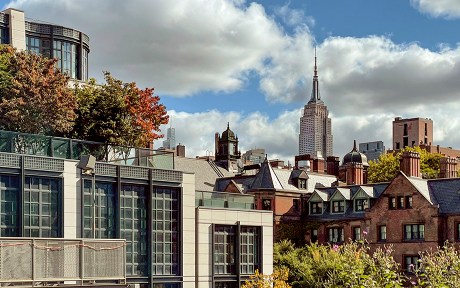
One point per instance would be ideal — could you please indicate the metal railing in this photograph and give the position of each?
(39, 261)
(224, 200)
(66, 148)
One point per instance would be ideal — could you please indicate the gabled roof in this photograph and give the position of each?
(322, 194)
(422, 186)
(368, 190)
(266, 178)
(344, 192)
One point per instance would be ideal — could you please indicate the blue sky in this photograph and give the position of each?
(250, 63)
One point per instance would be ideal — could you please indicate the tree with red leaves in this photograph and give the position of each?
(118, 113)
(34, 95)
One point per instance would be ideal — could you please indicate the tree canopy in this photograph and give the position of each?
(34, 95)
(118, 113)
(387, 167)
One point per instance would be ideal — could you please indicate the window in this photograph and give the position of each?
(392, 203)
(382, 233)
(165, 233)
(9, 205)
(295, 204)
(414, 232)
(316, 207)
(356, 233)
(338, 206)
(42, 207)
(133, 228)
(335, 235)
(400, 202)
(224, 250)
(33, 45)
(361, 204)
(408, 202)
(411, 263)
(405, 129)
(4, 38)
(99, 210)
(266, 204)
(397, 145)
(302, 184)
(314, 235)
(249, 250)
(458, 231)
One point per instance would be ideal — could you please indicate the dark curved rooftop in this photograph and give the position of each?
(355, 156)
(228, 134)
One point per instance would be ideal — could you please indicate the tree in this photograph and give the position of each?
(34, 95)
(387, 167)
(275, 280)
(118, 113)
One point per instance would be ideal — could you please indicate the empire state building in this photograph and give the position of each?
(315, 137)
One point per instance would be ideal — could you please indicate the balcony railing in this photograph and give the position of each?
(224, 200)
(41, 262)
(66, 148)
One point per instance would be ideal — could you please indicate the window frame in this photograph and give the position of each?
(314, 207)
(380, 234)
(411, 257)
(419, 233)
(340, 234)
(392, 203)
(357, 236)
(340, 208)
(364, 205)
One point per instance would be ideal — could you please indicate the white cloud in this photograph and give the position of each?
(294, 17)
(449, 9)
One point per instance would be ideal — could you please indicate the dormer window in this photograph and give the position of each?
(361, 204)
(316, 208)
(302, 184)
(338, 206)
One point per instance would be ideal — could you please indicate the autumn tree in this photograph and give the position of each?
(118, 113)
(34, 95)
(387, 167)
(275, 280)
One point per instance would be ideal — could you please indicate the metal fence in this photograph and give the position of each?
(66, 148)
(38, 261)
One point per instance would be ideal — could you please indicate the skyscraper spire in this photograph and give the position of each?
(315, 87)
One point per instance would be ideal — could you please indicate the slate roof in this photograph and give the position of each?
(206, 173)
(447, 194)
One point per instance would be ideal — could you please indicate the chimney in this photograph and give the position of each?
(448, 167)
(216, 144)
(180, 150)
(410, 164)
(318, 165)
(355, 173)
(332, 167)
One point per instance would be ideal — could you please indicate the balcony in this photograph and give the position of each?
(46, 261)
(224, 200)
(66, 148)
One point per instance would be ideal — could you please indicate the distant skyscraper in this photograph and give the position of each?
(315, 135)
(170, 142)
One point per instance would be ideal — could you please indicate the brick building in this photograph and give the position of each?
(412, 213)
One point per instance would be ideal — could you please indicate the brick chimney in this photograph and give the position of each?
(318, 165)
(355, 173)
(448, 167)
(332, 167)
(410, 164)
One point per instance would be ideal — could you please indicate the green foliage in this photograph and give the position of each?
(387, 167)
(118, 113)
(275, 280)
(349, 265)
(439, 268)
(34, 95)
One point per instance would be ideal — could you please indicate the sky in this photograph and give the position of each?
(250, 64)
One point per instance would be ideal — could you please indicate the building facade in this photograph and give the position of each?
(412, 132)
(69, 46)
(411, 213)
(139, 213)
(372, 150)
(315, 137)
(254, 156)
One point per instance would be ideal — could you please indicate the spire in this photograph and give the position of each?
(354, 146)
(315, 87)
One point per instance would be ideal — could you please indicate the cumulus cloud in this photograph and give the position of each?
(294, 17)
(193, 46)
(449, 9)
